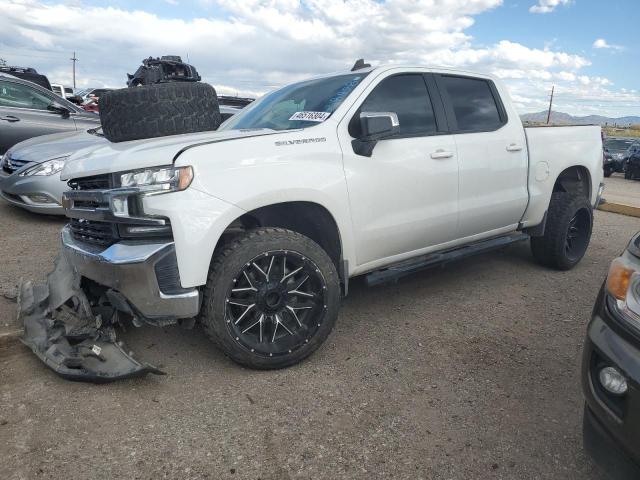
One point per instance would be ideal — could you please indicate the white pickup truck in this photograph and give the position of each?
(256, 228)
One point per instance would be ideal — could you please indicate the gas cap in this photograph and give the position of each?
(542, 171)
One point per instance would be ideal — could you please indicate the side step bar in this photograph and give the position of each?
(393, 273)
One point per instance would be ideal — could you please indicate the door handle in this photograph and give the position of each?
(10, 118)
(439, 154)
(514, 147)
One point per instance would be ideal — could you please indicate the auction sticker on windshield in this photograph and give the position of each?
(310, 116)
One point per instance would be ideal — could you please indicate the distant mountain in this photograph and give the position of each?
(560, 118)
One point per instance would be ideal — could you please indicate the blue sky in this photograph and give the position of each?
(573, 28)
(586, 48)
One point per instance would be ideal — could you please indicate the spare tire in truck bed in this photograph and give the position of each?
(159, 110)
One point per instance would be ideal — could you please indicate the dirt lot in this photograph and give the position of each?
(467, 372)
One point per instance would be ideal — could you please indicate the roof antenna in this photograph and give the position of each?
(360, 65)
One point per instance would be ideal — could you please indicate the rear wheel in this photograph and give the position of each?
(272, 298)
(567, 231)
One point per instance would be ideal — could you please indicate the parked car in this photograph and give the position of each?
(632, 163)
(62, 91)
(26, 73)
(256, 229)
(28, 110)
(611, 370)
(615, 154)
(95, 93)
(30, 170)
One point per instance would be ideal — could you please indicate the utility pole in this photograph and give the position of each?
(74, 60)
(550, 104)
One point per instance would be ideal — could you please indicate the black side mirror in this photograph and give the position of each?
(374, 126)
(59, 109)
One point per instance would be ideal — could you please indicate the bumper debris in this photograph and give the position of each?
(71, 335)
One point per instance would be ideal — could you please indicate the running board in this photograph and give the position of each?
(393, 273)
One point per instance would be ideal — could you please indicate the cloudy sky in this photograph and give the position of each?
(586, 48)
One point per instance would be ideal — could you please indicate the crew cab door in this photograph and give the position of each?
(404, 197)
(492, 155)
(24, 113)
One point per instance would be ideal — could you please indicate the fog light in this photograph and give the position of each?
(613, 381)
(40, 199)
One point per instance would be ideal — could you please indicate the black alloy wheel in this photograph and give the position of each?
(271, 299)
(276, 303)
(578, 234)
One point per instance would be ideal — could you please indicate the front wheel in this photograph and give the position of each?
(271, 299)
(567, 231)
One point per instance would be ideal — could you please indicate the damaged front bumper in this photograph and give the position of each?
(71, 327)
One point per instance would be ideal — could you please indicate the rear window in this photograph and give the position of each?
(473, 103)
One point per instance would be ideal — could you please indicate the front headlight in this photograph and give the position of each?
(162, 179)
(49, 167)
(623, 285)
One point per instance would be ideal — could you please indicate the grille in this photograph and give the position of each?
(10, 165)
(95, 233)
(97, 182)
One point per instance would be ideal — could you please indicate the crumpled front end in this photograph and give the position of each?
(69, 322)
(72, 335)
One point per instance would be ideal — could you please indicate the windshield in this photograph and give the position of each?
(299, 105)
(617, 145)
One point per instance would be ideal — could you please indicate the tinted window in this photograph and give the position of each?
(473, 104)
(405, 95)
(22, 96)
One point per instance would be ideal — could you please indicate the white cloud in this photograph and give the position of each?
(601, 43)
(547, 6)
(261, 44)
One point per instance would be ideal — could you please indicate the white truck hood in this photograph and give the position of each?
(109, 157)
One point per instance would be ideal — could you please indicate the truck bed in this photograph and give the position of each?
(552, 149)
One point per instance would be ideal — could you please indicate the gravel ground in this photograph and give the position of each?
(466, 372)
(619, 190)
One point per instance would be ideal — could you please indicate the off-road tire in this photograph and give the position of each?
(550, 249)
(159, 110)
(226, 264)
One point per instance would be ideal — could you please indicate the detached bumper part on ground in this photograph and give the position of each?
(71, 327)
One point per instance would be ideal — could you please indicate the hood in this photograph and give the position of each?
(43, 148)
(108, 157)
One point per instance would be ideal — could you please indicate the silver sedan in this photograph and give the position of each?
(30, 170)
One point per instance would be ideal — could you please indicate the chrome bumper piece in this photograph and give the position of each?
(129, 268)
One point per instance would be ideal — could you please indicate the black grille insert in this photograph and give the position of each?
(97, 182)
(95, 233)
(168, 275)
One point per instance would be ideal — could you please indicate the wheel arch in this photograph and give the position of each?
(574, 179)
(305, 217)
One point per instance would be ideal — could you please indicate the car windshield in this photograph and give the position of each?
(299, 105)
(615, 145)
